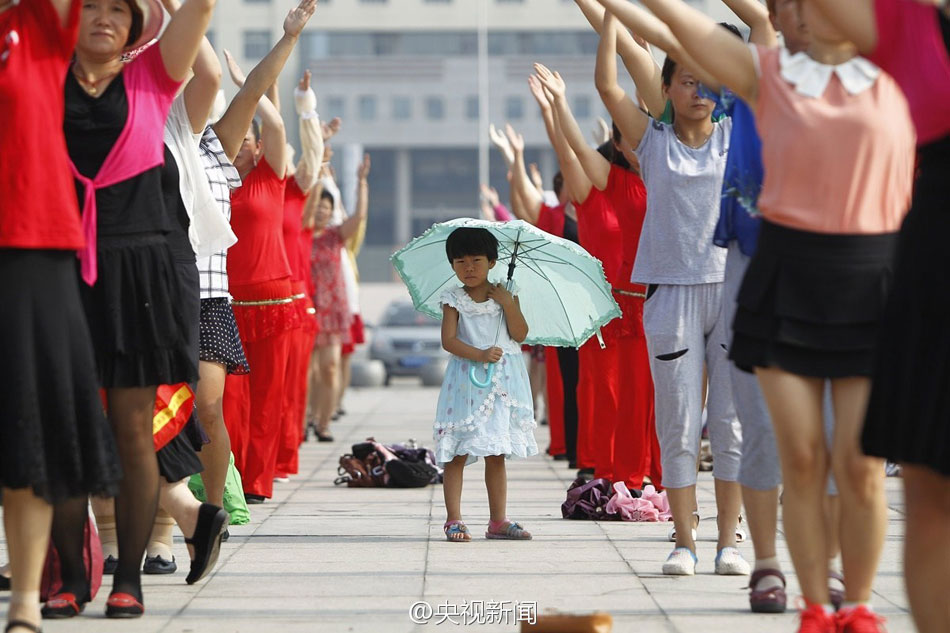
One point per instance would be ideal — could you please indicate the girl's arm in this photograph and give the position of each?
(756, 17)
(638, 61)
(180, 42)
(517, 326)
(576, 180)
(723, 54)
(594, 165)
(855, 19)
(352, 224)
(647, 26)
(527, 196)
(451, 343)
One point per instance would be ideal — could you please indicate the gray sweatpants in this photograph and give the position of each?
(760, 468)
(685, 328)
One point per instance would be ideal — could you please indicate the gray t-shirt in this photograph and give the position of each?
(684, 186)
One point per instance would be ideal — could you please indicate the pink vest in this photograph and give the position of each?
(140, 147)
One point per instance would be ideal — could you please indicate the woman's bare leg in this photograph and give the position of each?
(27, 520)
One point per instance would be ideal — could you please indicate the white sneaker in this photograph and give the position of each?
(282, 480)
(729, 562)
(681, 562)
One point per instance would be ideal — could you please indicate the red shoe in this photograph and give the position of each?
(123, 605)
(63, 605)
(859, 620)
(815, 619)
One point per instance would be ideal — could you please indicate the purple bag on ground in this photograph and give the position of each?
(588, 500)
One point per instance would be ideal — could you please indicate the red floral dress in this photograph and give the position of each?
(329, 297)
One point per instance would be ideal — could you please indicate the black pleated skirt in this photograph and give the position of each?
(54, 437)
(908, 417)
(811, 303)
(135, 316)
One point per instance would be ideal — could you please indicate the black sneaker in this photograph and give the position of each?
(254, 499)
(157, 565)
(585, 473)
(109, 565)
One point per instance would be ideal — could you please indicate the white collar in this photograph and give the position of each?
(811, 78)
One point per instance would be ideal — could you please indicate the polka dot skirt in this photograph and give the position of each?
(219, 340)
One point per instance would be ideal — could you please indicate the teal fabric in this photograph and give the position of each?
(563, 292)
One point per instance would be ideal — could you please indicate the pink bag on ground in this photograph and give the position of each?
(650, 507)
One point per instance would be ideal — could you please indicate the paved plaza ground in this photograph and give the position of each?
(323, 558)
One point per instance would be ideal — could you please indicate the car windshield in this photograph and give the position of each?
(404, 315)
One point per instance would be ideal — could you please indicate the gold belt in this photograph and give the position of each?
(628, 293)
(299, 296)
(266, 302)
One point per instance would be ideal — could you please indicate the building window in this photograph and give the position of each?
(471, 107)
(256, 44)
(514, 108)
(336, 106)
(581, 107)
(402, 108)
(435, 108)
(367, 107)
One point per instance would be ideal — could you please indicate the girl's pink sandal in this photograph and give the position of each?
(512, 532)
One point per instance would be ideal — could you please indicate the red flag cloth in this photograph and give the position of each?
(173, 407)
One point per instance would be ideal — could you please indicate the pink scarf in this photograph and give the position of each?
(140, 147)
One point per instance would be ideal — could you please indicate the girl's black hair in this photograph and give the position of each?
(609, 149)
(471, 242)
(669, 66)
(326, 195)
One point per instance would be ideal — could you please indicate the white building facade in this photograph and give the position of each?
(404, 77)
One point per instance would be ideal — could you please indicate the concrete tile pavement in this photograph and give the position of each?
(325, 558)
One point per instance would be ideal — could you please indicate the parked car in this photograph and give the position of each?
(409, 343)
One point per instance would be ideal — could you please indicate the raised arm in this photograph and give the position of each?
(594, 165)
(273, 137)
(529, 199)
(855, 19)
(232, 127)
(202, 89)
(575, 178)
(62, 8)
(544, 105)
(754, 14)
(351, 225)
(637, 60)
(311, 134)
(723, 54)
(501, 143)
(182, 37)
(647, 26)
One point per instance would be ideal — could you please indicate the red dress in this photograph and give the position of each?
(333, 312)
(636, 450)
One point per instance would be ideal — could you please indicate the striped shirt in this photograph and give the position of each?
(223, 177)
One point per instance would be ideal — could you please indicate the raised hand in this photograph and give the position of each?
(500, 141)
(362, 172)
(304, 84)
(551, 80)
(514, 139)
(490, 195)
(536, 179)
(537, 91)
(298, 17)
(330, 129)
(237, 75)
(601, 133)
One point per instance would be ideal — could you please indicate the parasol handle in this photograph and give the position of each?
(474, 378)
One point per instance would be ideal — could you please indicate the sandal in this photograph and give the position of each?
(512, 532)
(453, 529)
(836, 592)
(212, 522)
(63, 605)
(771, 600)
(672, 534)
(124, 605)
(23, 624)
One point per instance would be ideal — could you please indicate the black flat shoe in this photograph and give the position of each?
(4, 583)
(109, 565)
(157, 565)
(225, 535)
(560, 458)
(254, 499)
(323, 437)
(212, 522)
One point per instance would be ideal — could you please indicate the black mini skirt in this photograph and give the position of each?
(811, 303)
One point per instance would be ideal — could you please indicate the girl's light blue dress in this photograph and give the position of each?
(496, 420)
